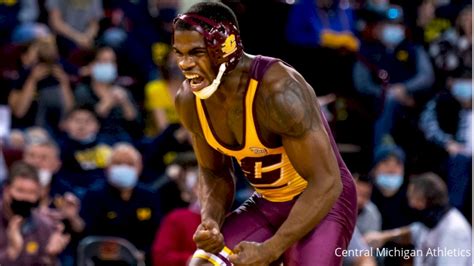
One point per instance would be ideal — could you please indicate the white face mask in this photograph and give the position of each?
(393, 34)
(104, 72)
(123, 176)
(45, 177)
(209, 90)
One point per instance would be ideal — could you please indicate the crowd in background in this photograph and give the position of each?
(91, 145)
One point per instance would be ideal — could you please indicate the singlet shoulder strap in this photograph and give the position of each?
(260, 65)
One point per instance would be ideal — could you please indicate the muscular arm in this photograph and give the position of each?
(216, 183)
(293, 113)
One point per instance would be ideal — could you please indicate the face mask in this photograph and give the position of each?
(393, 34)
(104, 72)
(22, 208)
(462, 90)
(45, 177)
(389, 182)
(209, 90)
(430, 217)
(123, 176)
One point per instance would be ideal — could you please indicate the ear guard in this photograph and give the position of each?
(222, 40)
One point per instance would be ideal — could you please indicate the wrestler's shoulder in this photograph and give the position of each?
(278, 75)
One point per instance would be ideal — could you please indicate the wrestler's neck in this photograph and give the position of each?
(229, 86)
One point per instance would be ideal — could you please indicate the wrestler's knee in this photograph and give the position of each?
(199, 262)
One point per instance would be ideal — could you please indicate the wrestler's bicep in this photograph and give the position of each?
(296, 117)
(290, 108)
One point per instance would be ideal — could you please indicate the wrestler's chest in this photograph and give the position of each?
(227, 123)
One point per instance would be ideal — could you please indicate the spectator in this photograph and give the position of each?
(429, 25)
(42, 94)
(56, 200)
(361, 250)
(135, 27)
(27, 237)
(112, 103)
(75, 22)
(368, 14)
(36, 135)
(452, 51)
(389, 193)
(122, 207)
(447, 122)
(326, 23)
(84, 156)
(162, 150)
(174, 245)
(13, 14)
(393, 74)
(160, 93)
(16, 140)
(29, 32)
(323, 31)
(440, 228)
(45, 157)
(369, 218)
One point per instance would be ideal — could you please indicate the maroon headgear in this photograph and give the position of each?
(222, 40)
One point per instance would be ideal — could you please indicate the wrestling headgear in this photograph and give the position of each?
(222, 39)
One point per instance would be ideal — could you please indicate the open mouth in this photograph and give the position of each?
(196, 82)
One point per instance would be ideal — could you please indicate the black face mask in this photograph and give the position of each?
(22, 208)
(430, 217)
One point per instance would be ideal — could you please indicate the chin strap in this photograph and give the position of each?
(209, 90)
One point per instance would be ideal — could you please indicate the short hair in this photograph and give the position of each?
(216, 11)
(84, 107)
(30, 137)
(101, 49)
(21, 169)
(48, 143)
(432, 188)
(364, 178)
(121, 146)
(384, 152)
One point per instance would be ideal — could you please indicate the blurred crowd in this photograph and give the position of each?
(91, 145)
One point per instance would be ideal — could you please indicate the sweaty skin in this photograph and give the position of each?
(287, 113)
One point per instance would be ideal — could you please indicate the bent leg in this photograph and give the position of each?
(325, 243)
(322, 246)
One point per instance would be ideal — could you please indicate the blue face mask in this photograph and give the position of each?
(104, 72)
(393, 34)
(389, 181)
(123, 176)
(462, 90)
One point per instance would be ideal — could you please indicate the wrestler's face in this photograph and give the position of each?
(193, 59)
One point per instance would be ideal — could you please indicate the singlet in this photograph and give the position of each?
(268, 170)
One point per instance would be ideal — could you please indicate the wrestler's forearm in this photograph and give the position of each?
(216, 194)
(310, 208)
